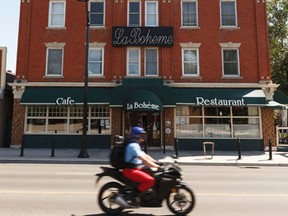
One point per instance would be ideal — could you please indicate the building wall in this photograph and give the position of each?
(251, 34)
(17, 123)
(268, 127)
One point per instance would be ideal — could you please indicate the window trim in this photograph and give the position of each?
(197, 17)
(47, 59)
(198, 64)
(231, 116)
(236, 15)
(102, 62)
(157, 63)
(104, 13)
(128, 13)
(68, 119)
(157, 13)
(238, 62)
(50, 14)
(139, 61)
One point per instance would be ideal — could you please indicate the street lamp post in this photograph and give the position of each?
(83, 153)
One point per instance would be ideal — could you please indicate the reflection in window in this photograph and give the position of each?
(67, 120)
(217, 122)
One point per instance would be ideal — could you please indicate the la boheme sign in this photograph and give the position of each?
(142, 36)
(142, 106)
(219, 102)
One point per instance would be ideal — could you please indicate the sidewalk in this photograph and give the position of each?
(101, 156)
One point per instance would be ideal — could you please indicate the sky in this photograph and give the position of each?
(9, 22)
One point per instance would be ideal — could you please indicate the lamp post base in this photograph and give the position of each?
(83, 154)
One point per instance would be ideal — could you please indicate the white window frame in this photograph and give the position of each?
(146, 13)
(103, 116)
(236, 17)
(54, 47)
(104, 13)
(157, 62)
(51, 15)
(128, 13)
(102, 62)
(238, 62)
(183, 63)
(139, 61)
(189, 26)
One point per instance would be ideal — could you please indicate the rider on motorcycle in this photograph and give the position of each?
(136, 156)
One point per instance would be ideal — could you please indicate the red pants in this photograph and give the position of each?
(145, 180)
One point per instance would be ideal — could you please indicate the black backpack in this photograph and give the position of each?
(117, 155)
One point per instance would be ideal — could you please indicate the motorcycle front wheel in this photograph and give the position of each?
(106, 198)
(181, 200)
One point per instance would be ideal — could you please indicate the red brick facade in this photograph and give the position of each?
(249, 35)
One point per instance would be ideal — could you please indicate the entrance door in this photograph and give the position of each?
(150, 121)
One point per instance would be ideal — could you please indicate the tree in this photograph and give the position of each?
(277, 12)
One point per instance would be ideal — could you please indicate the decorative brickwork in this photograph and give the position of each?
(17, 123)
(168, 116)
(117, 122)
(268, 126)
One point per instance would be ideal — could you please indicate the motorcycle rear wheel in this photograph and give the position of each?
(182, 201)
(106, 198)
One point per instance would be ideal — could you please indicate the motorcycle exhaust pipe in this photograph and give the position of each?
(122, 202)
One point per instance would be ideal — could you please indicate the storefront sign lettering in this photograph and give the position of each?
(219, 102)
(143, 105)
(65, 101)
(142, 36)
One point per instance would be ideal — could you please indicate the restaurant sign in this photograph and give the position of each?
(200, 101)
(65, 101)
(142, 36)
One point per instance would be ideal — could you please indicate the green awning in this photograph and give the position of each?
(220, 97)
(276, 105)
(64, 95)
(155, 86)
(280, 97)
(143, 100)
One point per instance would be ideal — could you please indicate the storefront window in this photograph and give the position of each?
(66, 120)
(217, 122)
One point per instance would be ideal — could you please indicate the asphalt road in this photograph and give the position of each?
(66, 190)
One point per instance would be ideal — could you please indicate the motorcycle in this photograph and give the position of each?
(118, 195)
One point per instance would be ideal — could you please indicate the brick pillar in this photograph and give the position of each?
(117, 122)
(268, 127)
(168, 122)
(17, 122)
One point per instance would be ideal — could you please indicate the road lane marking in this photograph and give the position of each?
(245, 195)
(49, 192)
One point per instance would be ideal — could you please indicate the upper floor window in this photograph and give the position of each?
(228, 13)
(96, 56)
(190, 62)
(56, 14)
(230, 62)
(151, 13)
(189, 13)
(151, 62)
(134, 13)
(133, 62)
(54, 62)
(97, 13)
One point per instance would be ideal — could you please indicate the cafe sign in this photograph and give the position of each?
(65, 101)
(219, 102)
(142, 36)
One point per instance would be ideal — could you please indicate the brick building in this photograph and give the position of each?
(6, 100)
(192, 69)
